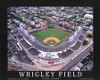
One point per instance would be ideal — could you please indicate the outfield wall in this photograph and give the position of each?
(38, 29)
(58, 27)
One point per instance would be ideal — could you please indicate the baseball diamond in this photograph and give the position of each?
(51, 37)
(51, 42)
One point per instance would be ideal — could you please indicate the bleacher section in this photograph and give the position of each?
(19, 36)
(83, 32)
(65, 54)
(24, 57)
(33, 51)
(81, 37)
(76, 46)
(25, 44)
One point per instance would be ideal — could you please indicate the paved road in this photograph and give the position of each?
(81, 56)
(15, 66)
(25, 67)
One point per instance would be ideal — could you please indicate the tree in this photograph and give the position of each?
(43, 18)
(63, 10)
(17, 25)
(69, 19)
(90, 23)
(24, 22)
(50, 26)
(20, 19)
(60, 25)
(28, 24)
(79, 22)
(32, 26)
(48, 21)
(89, 35)
(85, 42)
(72, 29)
(66, 27)
(50, 15)
(13, 22)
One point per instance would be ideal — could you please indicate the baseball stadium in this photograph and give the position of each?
(50, 46)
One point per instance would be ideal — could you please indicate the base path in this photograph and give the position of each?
(51, 38)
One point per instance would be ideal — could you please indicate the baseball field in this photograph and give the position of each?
(51, 37)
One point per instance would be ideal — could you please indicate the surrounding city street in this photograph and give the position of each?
(79, 58)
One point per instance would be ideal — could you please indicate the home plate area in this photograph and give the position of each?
(51, 41)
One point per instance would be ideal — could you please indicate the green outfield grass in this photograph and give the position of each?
(61, 35)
